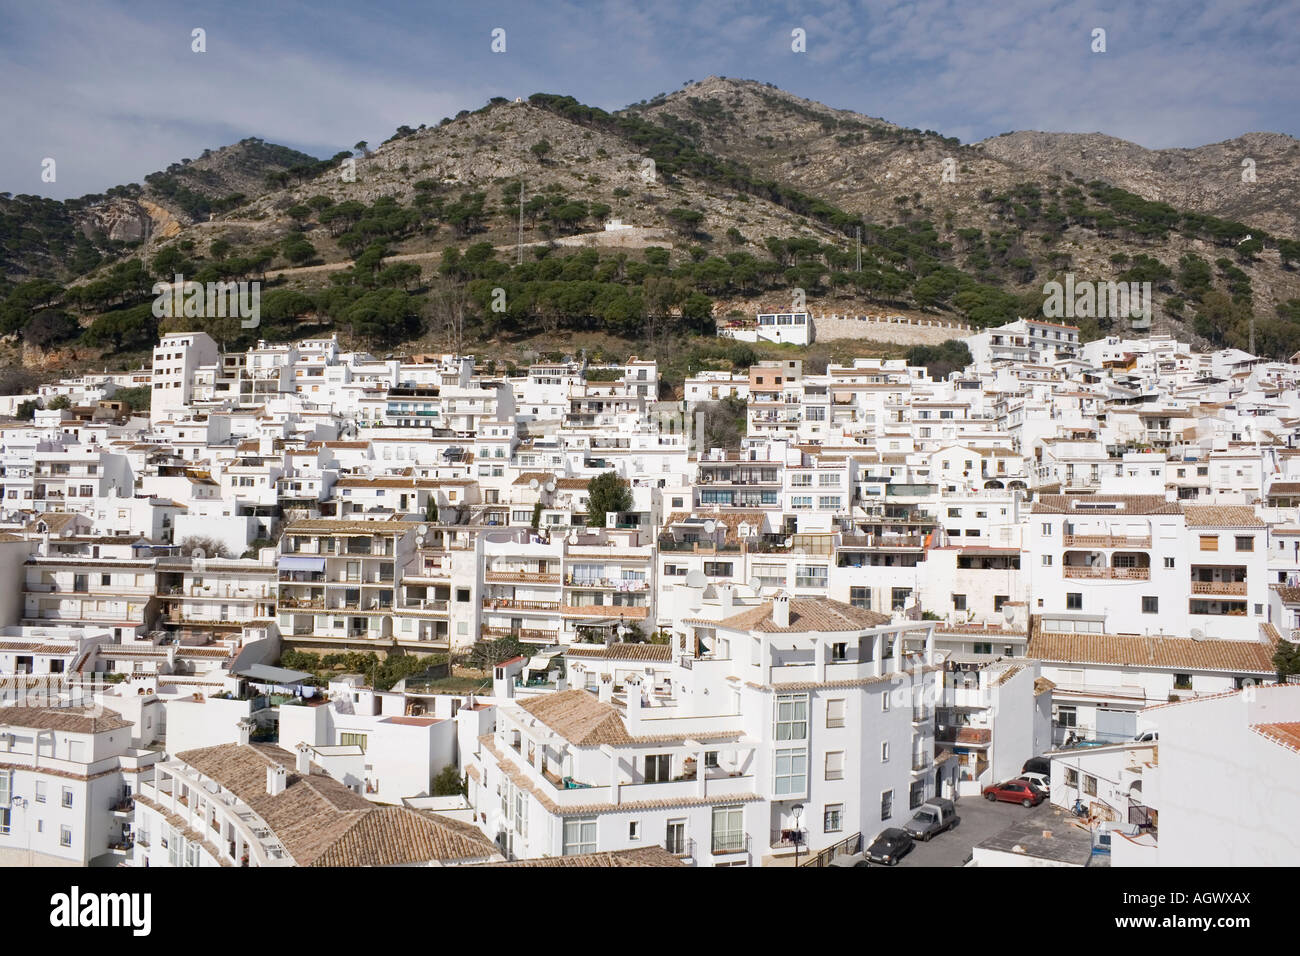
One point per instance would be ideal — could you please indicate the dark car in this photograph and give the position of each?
(1015, 791)
(1038, 765)
(890, 847)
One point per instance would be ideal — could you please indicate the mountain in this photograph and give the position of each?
(736, 194)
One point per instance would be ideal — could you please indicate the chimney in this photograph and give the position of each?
(781, 610)
(277, 778)
(302, 764)
(727, 599)
(606, 691)
(245, 731)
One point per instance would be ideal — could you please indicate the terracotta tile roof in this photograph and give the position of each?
(541, 477)
(1042, 685)
(1128, 504)
(579, 717)
(1136, 650)
(1007, 674)
(323, 823)
(1289, 595)
(1287, 734)
(79, 720)
(806, 614)
(641, 856)
(623, 652)
(974, 735)
(1221, 516)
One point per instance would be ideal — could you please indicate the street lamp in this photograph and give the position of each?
(797, 835)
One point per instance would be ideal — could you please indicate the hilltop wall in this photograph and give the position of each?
(896, 329)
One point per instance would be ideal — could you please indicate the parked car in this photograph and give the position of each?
(1148, 737)
(1015, 791)
(931, 819)
(1038, 780)
(890, 847)
(1041, 765)
(849, 859)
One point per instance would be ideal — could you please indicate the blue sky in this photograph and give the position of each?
(112, 90)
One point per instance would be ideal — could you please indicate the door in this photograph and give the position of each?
(675, 841)
(1114, 726)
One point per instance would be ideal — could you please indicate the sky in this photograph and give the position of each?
(112, 91)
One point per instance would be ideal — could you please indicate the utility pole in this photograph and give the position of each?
(520, 260)
(858, 231)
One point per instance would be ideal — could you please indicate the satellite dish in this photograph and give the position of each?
(1008, 612)
(756, 585)
(422, 530)
(696, 579)
(533, 484)
(198, 553)
(573, 537)
(1198, 634)
(710, 526)
(419, 541)
(550, 486)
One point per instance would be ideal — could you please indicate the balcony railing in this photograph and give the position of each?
(1219, 587)
(921, 715)
(522, 633)
(1116, 574)
(1105, 541)
(524, 577)
(789, 837)
(733, 842)
(512, 604)
(681, 848)
(921, 761)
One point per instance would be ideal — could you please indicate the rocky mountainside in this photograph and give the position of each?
(750, 195)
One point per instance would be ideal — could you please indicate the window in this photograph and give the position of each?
(916, 795)
(884, 702)
(1245, 542)
(65, 836)
(634, 830)
(983, 647)
(347, 740)
(886, 805)
(835, 765)
(1090, 785)
(728, 829)
(833, 818)
(67, 797)
(1071, 777)
(835, 713)
(1047, 530)
(1209, 542)
(810, 577)
(898, 598)
(792, 717)
(658, 768)
(1169, 562)
(711, 758)
(959, 602)
(40, 791)
(884, 751)
(1047, 560)
(675, 837)
(1074, 601)
(1182, 682)
(860, 597)
(790, 772)
(462, 595)
(579, 836)
(1067, 717)
(1150, 604)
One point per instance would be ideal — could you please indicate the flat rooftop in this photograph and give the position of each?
(1067, 843)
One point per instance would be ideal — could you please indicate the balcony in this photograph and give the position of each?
(921, 762)
(783, 839)
(1112, 574)
(733, 842)
(1105, 541)
(521, 577)
(512, 604)
(522, 634)
(922, 715)
(683, 848)
(426, 604)
(1219, 587)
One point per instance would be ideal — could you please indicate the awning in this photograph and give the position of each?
(266, 674)
(539, 662)
(288, 563)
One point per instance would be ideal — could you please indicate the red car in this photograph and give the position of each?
(1014, 791)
